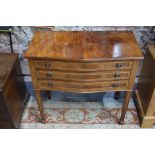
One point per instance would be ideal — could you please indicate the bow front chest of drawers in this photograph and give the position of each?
(83, 62)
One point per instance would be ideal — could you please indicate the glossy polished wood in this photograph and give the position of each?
(13, 92)
(83, 62)
(82, 66)
(145, 94)
(86, 76)
(84, 46)
(82, 87)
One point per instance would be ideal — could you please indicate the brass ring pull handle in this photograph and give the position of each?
(118, 65)
(115, 85)
(116, 75)
(49, 74)
(47, 65)
(50, 84)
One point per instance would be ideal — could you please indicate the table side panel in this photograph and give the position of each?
(15, 93)
(146, 83)
(133, 74)
(5, 118)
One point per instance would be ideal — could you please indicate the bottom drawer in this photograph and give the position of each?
(82, 86)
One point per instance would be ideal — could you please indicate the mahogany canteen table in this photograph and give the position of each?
(83, 62)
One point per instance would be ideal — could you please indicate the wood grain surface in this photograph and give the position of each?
(83, 62)
(145, 94)
(13, 93)
(6, 61)
(84, 46)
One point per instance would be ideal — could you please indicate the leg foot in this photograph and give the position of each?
(121, 122)
(117, 95)
(48, 95)
(42, 121)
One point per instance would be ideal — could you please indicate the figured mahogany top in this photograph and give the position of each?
(7, 61)
(84, 46)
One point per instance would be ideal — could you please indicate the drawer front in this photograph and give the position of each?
(80, 66)
(82, 86)
(88, 76)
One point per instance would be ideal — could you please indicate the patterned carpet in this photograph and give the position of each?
(89, 115)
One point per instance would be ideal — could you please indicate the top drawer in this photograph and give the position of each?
(82, 66)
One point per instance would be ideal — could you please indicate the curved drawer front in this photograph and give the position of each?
(88, 76)
(82, 86)
(82, 66)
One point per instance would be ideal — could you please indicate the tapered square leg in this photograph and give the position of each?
(40, 105)
(125, 106)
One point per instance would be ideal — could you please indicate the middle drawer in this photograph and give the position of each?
(87, 76)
